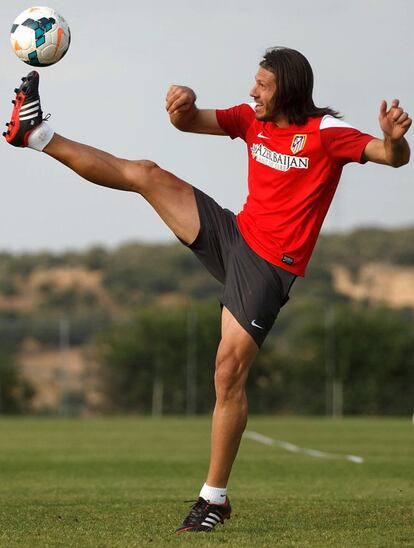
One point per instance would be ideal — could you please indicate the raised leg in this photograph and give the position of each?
(172, 198)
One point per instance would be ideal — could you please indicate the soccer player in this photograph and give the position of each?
(296, 153)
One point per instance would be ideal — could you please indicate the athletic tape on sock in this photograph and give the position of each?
(40, 137)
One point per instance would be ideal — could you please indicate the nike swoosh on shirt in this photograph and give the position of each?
(254, 324)
(261, 136)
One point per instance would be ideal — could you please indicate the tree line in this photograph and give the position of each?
(159, 359)
(326, 354)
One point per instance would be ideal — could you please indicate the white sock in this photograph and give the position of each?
(40, 137)
(214, 495)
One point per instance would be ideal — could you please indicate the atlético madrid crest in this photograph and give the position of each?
(298, 143)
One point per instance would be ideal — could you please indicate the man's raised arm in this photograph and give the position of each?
(185, 116)
(393, 150)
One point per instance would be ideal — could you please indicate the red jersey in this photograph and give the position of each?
(293, 176)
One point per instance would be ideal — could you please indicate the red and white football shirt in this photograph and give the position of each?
(293, 176)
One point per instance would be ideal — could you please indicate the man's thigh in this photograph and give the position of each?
(174, 201)
(236, 341)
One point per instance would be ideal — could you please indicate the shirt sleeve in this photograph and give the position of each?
(343, 142)
(235, 121)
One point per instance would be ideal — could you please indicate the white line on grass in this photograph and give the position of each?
(295, 449)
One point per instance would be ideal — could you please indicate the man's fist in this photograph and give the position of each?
(179, 99)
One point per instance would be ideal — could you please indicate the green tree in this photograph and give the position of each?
(368, 351)
(15, 391)
(147, 360)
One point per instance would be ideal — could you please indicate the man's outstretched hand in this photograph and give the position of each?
(394, 122)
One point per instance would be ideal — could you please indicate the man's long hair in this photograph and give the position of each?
(294, 85)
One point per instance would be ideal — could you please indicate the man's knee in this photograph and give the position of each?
(141, 174)
(230, 377)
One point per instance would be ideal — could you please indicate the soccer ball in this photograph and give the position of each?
(40, 36)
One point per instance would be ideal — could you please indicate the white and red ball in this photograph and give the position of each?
(40, 36)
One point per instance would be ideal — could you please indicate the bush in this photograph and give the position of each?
(15, 392)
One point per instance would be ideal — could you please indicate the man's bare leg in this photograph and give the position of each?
(235, 354)
(172, 198)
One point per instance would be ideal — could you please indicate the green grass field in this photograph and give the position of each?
(123, 482)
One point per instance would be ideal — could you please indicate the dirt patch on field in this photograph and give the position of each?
(377, 283)
(44, 285)
(66, 381)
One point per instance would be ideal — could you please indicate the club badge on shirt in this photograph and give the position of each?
(298, 143)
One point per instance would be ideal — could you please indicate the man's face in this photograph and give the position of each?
(264, 93)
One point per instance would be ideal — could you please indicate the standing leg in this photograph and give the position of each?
(235, 354)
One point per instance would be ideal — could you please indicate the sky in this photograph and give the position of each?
(109, 92)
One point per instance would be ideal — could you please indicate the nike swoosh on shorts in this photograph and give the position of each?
(254, 324)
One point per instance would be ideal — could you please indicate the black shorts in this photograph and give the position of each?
(254, 290)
